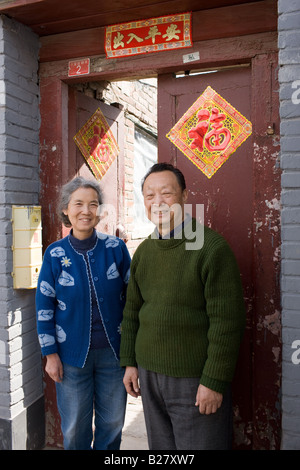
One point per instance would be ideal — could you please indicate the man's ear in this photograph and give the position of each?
(185, 195)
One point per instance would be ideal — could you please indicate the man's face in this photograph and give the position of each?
(164, 200)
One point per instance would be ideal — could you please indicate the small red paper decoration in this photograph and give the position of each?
(97, 144)
(210, 131)
(151, 35)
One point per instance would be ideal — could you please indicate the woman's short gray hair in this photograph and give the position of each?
(68, 189)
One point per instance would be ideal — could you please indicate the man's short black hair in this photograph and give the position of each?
(158, 167)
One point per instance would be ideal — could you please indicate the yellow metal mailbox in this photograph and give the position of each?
(27, 246)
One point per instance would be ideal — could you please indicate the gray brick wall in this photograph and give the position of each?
(21, 387)
(289, 79)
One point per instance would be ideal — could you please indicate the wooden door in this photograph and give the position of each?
(231, 201)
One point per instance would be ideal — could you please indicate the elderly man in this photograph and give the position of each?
(182, 324)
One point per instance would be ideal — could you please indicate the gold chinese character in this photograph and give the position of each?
(134, 36)
(153, 31)
(118, 40)
(172, 32)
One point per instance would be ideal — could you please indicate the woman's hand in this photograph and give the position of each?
(54, 367)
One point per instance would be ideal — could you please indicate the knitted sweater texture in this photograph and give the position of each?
(185, 313)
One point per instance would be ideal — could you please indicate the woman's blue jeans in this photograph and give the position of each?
(97, 387)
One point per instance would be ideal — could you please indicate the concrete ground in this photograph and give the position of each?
(134, 435)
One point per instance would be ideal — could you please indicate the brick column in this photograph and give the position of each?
(21, 390)
(289, 79)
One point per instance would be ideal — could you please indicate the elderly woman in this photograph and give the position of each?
(80, 299)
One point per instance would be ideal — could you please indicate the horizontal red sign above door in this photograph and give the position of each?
(151, 35)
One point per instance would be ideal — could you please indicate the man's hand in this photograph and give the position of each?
(208, 400)
(131, 382)
(54, 367)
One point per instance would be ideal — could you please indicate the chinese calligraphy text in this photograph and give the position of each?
(152, 35)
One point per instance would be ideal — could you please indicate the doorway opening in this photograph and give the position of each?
(137, 101)
(232, 199)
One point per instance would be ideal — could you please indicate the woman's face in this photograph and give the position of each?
(83, 212)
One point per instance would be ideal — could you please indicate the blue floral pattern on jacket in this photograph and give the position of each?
(63, 296)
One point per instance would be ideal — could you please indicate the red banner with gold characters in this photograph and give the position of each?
(151, 35)
(97, 144)
(210, 131)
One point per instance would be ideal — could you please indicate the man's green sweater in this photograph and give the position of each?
(185, 314)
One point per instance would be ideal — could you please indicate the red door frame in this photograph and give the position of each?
(261, 52)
